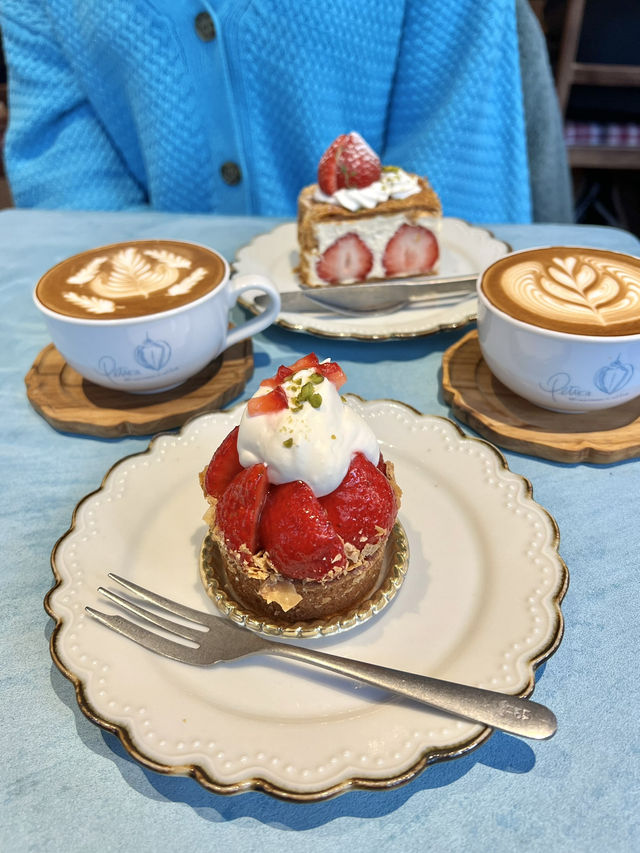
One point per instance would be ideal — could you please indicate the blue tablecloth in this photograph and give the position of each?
(71, 786)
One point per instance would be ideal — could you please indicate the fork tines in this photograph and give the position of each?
(160, 601)
(149, 639)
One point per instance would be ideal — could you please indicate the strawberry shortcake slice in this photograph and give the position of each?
(365, 222)
(301, 502)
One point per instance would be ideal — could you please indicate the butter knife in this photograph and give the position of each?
(376, 297)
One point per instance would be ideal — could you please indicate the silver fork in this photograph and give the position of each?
(215, 639)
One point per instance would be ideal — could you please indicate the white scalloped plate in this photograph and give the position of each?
(480, 605)
(464, 250)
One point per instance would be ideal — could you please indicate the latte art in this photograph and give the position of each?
(130, 280)
(579, 291)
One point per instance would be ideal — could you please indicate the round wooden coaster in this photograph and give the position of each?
(73, 404)
(496, 413)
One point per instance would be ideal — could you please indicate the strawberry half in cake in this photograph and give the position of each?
(301, 501)
(365, 222)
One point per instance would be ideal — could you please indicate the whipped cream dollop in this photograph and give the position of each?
(312, 441)
(394, 183)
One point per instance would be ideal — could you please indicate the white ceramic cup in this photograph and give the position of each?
(557, 370)
(161, 350)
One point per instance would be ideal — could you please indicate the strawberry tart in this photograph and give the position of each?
(301, 502)
(365, 222)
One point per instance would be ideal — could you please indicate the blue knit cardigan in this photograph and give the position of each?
(118, 104)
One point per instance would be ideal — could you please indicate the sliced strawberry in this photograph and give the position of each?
(238, 510)
(304, 363)
(348, 259)
(224, 465)
(349, 162)
(274, 401)
(412, 250)
(281, 374)
(284, 372)
(295, 531)
(333, 372)
(363, 506)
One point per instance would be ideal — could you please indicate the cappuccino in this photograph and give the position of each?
(568, 290)
(146, 315)
(128, 280)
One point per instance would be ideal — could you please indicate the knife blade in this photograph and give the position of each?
(375, 297)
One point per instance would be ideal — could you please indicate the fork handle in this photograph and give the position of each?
(499, 710)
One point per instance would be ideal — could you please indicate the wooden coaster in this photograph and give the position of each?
(73, 404)
(496, 413)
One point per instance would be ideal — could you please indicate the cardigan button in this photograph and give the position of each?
(231, 173)
(205, 27)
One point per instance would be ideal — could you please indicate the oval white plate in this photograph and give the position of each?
(480, 605)
(464, 250)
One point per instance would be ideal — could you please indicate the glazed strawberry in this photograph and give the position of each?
(333, 372)
(348, 259)
(348, 163)
(224, 465)
(411, 251)
(274, 401)
(296, 533)
(363, 507)
(238, 510)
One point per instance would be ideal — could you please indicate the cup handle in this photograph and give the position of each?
(252, 281)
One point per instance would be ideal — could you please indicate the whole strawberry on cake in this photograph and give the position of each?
(365, 222)
(301, 502)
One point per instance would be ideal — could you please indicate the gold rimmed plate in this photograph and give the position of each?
(480, 604)
(465, 250)
(392, 574)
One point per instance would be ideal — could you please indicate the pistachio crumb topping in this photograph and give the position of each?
(308, 393)
(288, 442)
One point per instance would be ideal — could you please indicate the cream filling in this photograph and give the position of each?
(374, 231)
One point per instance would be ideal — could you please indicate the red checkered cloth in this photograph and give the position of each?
(591, 133)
